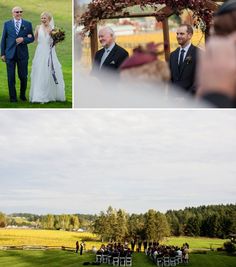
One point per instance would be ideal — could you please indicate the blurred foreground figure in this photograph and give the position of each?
(144, 65)
(224, 21)
(217, 66)
(111, 56)
(106, 92)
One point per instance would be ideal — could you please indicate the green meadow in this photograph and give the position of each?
(19, 258)
(62, 13)
(201, 254)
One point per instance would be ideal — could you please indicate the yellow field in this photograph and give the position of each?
(54, 238)
(129, 42)
(21, 237)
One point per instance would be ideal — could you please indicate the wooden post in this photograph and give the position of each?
(94, 42)
(166, 38)
(207, 33)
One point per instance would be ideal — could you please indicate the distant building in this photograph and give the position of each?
(123, 29)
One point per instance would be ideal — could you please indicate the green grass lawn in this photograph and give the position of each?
(62, 13)
(64, 258)
(195, 242)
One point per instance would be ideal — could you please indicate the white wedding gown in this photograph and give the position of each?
(43, 86)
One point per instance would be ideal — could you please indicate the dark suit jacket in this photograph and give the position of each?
(219, 100)
(8, 42)
(113, 60)
(185, 76)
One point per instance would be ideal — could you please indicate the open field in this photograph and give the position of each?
(196, 242)
(25, 258)
(61, 10)
(19, 237)
(70, 259)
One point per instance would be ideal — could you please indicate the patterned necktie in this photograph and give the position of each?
(181, 59)
(17, 27)
(104, 56)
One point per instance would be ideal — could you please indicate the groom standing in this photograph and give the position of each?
(17, 33)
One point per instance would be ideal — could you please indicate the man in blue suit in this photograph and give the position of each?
(17, 33)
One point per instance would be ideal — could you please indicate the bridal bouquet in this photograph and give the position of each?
(58, 35)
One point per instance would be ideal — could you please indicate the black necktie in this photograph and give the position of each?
(181, 59)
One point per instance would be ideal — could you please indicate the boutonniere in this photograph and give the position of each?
(23, 27)
(188, 59)
(113, 62)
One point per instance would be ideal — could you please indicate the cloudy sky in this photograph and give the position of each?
(83, 161)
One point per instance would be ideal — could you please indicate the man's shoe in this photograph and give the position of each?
(13, 100)
(23, 98)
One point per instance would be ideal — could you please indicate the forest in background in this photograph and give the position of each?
(118, 225)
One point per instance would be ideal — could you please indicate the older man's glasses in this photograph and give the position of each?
(17, 12)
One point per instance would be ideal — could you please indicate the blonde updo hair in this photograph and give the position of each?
(46, 14)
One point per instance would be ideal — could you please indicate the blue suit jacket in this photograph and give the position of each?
(8, 42)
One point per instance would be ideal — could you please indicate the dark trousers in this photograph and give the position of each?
(22, 69)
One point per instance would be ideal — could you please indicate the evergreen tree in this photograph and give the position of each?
(3, 220)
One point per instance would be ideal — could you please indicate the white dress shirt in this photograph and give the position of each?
(106, 53)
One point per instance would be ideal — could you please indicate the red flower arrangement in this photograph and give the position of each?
(100, 9)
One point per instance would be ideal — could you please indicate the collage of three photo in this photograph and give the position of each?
(117, 133)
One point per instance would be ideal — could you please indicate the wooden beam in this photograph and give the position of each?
(135, 15)
(165, 11)
(94, 42)
(166, 38)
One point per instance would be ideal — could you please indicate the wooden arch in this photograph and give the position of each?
(203, 10)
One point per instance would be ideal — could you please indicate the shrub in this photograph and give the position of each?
(229, 247)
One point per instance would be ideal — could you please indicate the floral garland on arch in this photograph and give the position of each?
(100, 9)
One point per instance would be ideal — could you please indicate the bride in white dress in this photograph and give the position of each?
(44, 86)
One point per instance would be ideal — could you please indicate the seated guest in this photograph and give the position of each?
(115, 253)
(128, 253)
(145, 66)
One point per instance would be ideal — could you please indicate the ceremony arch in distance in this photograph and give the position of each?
(162, 9)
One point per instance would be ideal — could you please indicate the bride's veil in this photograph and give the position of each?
(51, 23)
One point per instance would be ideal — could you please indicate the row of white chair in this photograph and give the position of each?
(168, 261)
(115, 261)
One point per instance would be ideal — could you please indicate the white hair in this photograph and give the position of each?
(108, 30)
(16, 7)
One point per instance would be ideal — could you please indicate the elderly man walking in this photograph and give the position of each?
(17, 33)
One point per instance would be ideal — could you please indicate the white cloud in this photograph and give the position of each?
(85, 160)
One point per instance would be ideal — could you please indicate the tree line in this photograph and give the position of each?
(67, 222)
(210, 221)
(118, 225)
